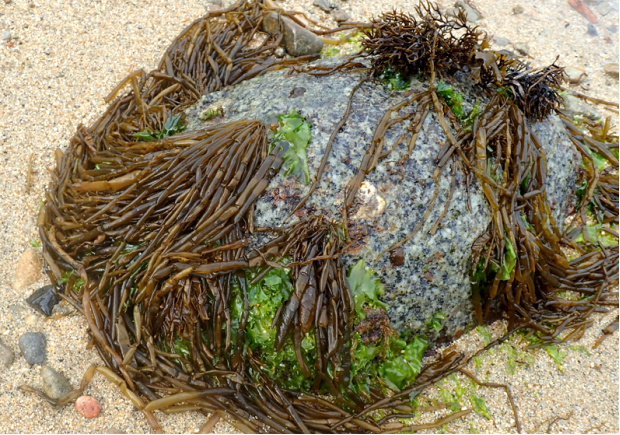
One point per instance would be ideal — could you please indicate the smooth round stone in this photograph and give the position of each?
(87, 406)
(55, 384)
(7, 356)
(34, 347)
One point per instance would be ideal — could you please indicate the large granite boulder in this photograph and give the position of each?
(434, 275)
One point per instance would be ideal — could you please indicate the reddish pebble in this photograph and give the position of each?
(87, 406)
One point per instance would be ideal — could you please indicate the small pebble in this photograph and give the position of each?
(7, 356)
(215, 2)
(341, 16)
(613, 28)
(280, 52)
(574, 74)
(323, 5)
(297, 40)
(113, 430)
(54, 384)
(472, 14)
(31, 319)
(33, 346)
(522, 48)
(18, 311)
(604, 8)
(28, 269)
(518, 9)
(501, 41)
(43, 300)
(592, 30)
(6, 35)
(611, 69)
(87, 406)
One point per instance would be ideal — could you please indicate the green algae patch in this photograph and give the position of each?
(366, 287)
(264, 299)
(295, 130)
(171, 127)
(455, 102)
(394, 80)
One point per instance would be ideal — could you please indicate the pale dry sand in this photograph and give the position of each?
(65, 57)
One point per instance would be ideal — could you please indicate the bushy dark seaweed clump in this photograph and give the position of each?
(431, 41)
(534, 90)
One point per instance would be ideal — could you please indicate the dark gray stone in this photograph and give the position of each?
(34, 347)
(7, 356)
(323, 5)
(592, 30)
(44, 300)
(297, 40)
(434, 272)
(54, 384)
(341, 16)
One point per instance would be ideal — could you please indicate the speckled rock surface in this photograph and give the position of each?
(434, 276)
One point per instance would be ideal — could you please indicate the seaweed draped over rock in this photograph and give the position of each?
(146, 231)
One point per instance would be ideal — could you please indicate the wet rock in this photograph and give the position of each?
(574, 74)
(341, 16)
(28, 270)
(501, 41)
(7, 356)
(33, 346)
(611, 69)
(471, 14)
(87, 406)
(54, 384)
(323, 5)
(297, 40)
(518, 9)
(592, 30)
(44, 300)
(393, 198)
(522, 48)
(573, 106)
(604, 8)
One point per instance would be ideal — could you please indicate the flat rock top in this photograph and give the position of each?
(394, 197)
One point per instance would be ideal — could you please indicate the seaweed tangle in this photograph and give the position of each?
(148, 231)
